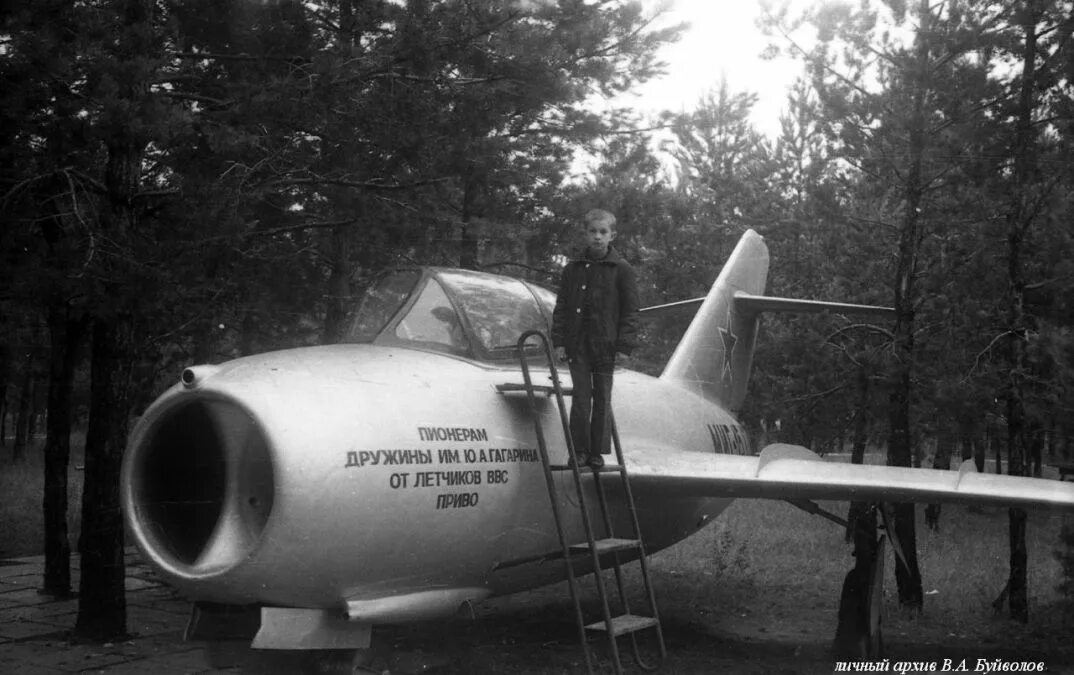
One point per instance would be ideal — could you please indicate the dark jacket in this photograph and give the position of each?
(611, 298)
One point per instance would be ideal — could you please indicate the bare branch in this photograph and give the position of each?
(213, 56)
(185, 96)
(815, 396)
(977, 360)
(363, 185)
(868, 327)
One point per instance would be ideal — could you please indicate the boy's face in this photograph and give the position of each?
(597, 237)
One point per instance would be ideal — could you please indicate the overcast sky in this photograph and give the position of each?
(723, 41)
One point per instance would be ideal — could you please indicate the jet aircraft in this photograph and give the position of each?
(393, 478)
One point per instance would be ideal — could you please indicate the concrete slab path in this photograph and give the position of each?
(34, 628)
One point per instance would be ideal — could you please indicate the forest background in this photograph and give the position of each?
(194, 180)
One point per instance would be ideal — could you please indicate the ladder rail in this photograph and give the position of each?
(636, 535)
(572, 582)
(587, 524)
(644, 564)
(610, 532)
(617, 565)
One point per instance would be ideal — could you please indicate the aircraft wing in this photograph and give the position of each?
(793, 473)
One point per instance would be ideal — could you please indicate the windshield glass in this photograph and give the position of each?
(380, 303)
(432, 321)
(498, 309)
(546, 297)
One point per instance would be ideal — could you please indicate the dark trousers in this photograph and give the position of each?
(591, 403)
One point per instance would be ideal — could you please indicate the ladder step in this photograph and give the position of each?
(626, 623)
(515, 387)
(603, 546)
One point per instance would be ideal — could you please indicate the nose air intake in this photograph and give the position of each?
(200, 484)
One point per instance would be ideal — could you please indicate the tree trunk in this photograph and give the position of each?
(5, 378)
(102, 607)
(857, 453)
(1036, 447)
(24, 412)
(1053, 431)
(908, 574)
(37, 409)
(900, 450)
(64, 337)
(852, 639)
(3, 414)
(945, 447)
(247, 333)
(1018, 220)
(468, 242)
(339, 289)
(997, 448)
(969, 441)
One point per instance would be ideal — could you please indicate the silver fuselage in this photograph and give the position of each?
(309, 476)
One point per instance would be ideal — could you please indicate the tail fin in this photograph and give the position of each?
(716, 353)
(714, 356)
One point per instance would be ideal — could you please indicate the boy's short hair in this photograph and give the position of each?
(600, 216)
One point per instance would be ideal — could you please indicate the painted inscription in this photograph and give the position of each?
(728, 439)
(451, 479)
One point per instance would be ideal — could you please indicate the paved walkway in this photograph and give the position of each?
(34, 627)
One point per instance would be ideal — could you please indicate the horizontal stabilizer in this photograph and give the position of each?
(792, 472)
(756, 304)
(656, 309)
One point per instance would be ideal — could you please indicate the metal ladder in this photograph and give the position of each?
(624, 623)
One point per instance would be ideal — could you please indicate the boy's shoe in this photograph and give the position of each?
(578, 460)
(595, 461)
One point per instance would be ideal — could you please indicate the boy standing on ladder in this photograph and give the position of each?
(594, 323)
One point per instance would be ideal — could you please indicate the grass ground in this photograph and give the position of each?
(758, 592)
(21, 492)
(770, 545)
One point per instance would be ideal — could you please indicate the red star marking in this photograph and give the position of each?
(729, 340)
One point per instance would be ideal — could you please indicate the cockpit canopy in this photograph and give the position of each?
(469, 314)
